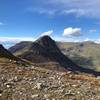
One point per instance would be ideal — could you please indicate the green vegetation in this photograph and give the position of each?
(86, 54)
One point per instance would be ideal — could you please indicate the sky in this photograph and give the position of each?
(63, 20)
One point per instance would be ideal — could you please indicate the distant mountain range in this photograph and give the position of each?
(45, 50)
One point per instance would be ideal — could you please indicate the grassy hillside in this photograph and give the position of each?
(86, 54)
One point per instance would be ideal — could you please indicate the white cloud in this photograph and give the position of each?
(47, 33)
(87, 8)
(72, 31)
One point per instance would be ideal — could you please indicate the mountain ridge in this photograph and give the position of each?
(45, 49)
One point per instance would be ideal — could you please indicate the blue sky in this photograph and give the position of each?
(64, 20)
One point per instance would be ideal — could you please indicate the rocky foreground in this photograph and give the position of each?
(18, 82)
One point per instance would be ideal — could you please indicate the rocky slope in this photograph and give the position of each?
(35, 83)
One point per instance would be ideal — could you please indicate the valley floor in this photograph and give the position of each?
(33, 83)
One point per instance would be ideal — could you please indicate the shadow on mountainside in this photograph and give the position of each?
(81, 60)
(64, 62)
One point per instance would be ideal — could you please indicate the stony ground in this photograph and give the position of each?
(18, 82)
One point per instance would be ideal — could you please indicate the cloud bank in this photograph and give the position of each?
(14, 39)
(87, 8)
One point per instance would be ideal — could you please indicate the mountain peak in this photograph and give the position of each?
(46, 37)
(45, 40)
(48, 43)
